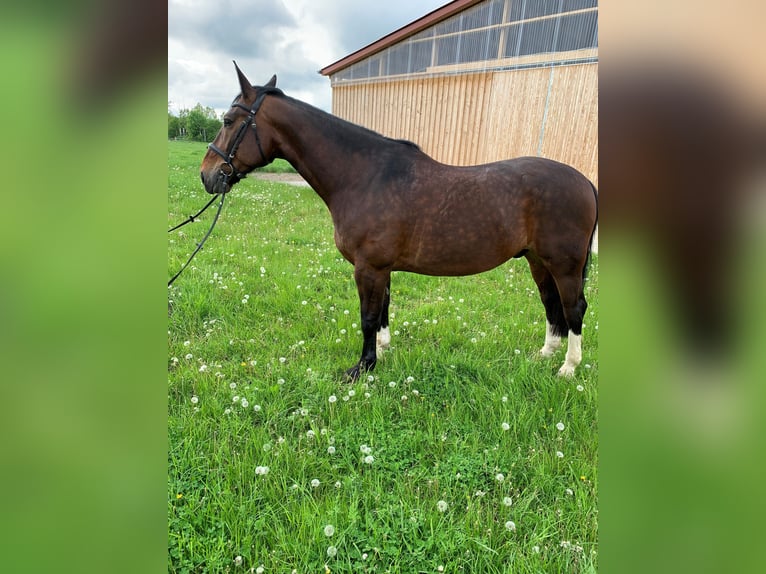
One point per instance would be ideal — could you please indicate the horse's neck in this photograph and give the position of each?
(310, 141)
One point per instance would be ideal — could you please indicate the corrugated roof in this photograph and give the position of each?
(398, 35)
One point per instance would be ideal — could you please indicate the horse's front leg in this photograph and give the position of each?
(371, 284)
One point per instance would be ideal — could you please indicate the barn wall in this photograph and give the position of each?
(472, 118)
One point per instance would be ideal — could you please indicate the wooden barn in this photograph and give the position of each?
(481, 80)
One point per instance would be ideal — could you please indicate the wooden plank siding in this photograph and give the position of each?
(473, 118)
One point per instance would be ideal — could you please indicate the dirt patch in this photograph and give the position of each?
(290, 178)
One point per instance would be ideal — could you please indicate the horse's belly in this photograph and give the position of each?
(446, 256)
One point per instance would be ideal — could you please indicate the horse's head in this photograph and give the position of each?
(241, 145)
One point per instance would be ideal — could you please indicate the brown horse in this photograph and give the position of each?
(396, 209)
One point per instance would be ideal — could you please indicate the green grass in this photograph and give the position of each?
(265, 321)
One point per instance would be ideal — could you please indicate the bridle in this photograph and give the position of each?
(240, 135)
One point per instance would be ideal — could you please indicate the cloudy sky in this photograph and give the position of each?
(291, 38)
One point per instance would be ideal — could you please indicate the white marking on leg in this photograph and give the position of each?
(552, 342)
(383, 338)
(574, 355)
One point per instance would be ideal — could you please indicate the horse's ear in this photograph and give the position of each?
(272, 83)
(244, 83)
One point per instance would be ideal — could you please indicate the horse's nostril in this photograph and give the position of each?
(202, 177)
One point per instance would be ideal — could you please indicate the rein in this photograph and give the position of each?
(201, 243)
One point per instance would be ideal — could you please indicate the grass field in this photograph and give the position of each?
(462, 452)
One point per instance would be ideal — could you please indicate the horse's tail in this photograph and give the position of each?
(592, 234)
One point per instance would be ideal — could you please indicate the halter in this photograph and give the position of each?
(246, 123)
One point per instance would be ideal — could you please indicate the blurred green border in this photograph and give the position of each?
(83, 308)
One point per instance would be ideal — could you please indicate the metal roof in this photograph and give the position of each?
(398, 35)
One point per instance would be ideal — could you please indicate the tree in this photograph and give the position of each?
(174, 126)
(202, 123)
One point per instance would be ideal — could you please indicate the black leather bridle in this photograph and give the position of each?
(240, 135)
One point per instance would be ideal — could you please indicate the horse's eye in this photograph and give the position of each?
(227, 122)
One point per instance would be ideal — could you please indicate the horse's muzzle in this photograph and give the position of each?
(218, 182)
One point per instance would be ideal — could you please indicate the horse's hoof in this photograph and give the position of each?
(353, 374)
(547, 352)
(567, 370)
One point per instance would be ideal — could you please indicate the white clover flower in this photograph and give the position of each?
(202, 368)
(505, 426)
(507, 501)
(351, 392)
(580, 388)
(315, 483)
(332, 399)
(536, 549)
(238, 561)
(365, 449)
(364, 555)
(569, 491)
(329, 530)
(560, 426)
(232, 386)
(442, 506)
(195, 399)
(338, 484)
(369, 459)
(510, 526)
(257, 408)
(235, 399)
(330, 450)
(310, 434)
(410, 379)
(282, 359)
(244, 403)
(559, 454)
(392, 384)
(261, 470)
(260, 569)
(499, 477)
(504, 399)
(188, 356)
(331, 552)
(227, 411)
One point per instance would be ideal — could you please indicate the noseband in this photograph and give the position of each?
(246, 123)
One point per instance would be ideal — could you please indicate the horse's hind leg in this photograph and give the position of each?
(383, 338)
(555, 323)
(574, 306)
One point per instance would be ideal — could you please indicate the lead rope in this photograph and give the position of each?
(201, 243)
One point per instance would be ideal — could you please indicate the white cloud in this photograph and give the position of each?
(293, 39)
